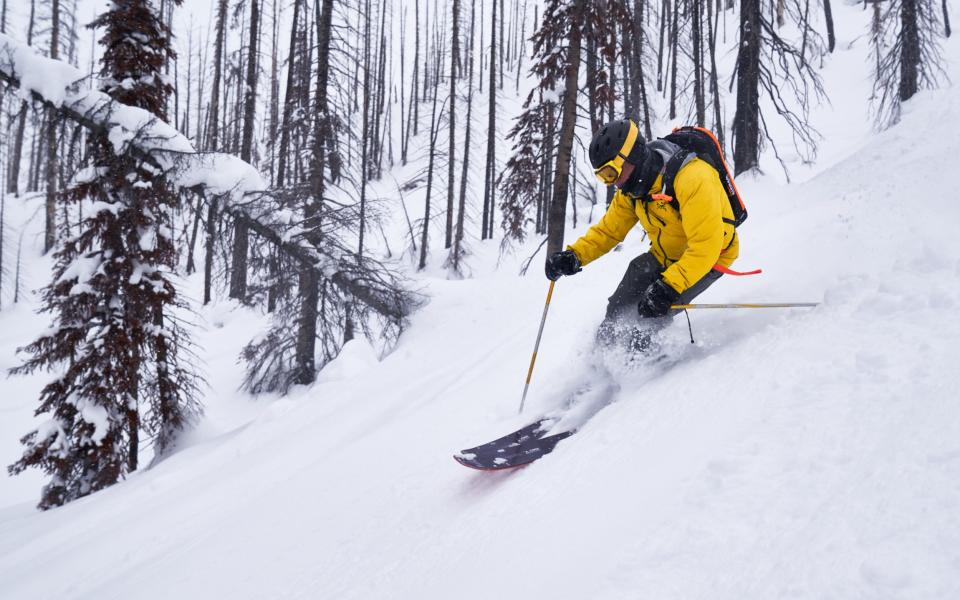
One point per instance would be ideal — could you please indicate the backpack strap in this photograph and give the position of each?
(672, 165)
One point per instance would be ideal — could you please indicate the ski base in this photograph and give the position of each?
(513, 450)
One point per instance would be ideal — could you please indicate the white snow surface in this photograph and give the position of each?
(787, 454)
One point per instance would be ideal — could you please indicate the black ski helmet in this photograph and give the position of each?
(609, 141)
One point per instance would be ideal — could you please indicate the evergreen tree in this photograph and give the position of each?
(115, 333)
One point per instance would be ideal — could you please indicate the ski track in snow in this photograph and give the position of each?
(798, 453)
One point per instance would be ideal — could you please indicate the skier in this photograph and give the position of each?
(690, 225)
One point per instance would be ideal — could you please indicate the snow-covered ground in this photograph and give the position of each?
(801, 453)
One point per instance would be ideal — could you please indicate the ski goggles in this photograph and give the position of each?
(609, 172)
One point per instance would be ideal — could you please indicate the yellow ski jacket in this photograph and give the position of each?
(687, 243)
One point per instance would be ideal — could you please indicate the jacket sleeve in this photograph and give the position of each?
(700, 194)
(608, 231)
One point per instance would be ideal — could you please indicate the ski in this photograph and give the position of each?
(513, 450)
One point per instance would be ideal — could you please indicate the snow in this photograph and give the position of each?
(796, 453)
(57, 82)
(94, 414)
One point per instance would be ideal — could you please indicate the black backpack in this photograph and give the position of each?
(704, 145)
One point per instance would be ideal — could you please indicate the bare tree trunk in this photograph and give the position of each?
(191, 266)
(241, 235)
(309, 281)
(946, 21)
(664, 17)
(13, 175)
(910, 56)
(365, 168)
(558, 208)
(434, 130)
(50, 230)
(213, 137)
(415, 88)
(404, 121)
(698, 88)
(290, 99)
(426, 54)
(209, 249)
(274, 90)
(522, 44)
(457, 253)
(501, 42)
(638, 61)
(746, 122)
(451, 151)
(714, 79)
(213, 143)
(828, 16)
(186, 113)
(591, 58)
(489, 189)
(307, 327)
(549, 137)
(674, 43)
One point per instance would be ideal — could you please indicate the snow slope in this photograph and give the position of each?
(802, 454)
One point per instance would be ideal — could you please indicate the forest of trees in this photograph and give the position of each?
(329, 100)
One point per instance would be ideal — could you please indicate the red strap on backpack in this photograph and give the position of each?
(729, 271)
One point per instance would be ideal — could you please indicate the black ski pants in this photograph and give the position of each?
(622, 316)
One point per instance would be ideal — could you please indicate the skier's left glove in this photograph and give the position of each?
(657, 299)
(561, 263)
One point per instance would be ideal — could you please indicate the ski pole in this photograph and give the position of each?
(747, 305)
(536, 347)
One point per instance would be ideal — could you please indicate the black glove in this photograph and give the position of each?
(657, 299)
(562, 263)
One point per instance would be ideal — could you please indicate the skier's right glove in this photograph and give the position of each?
(562, 263)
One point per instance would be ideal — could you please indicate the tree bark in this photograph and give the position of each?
(638, 60)
(241, 235)
(451, 152)
(457, 252)
(425, 232)
(290, 97)
(946, 20)
(699, 93)
(910, 52)
(746, 122)
(50, 230)
(828, 16)
(213, 138)
(489, 189)
(674, 43)
(365, 133)
(558, 208)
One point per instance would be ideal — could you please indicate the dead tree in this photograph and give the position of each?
(489, 187)
(457, 251)
(909, 58)
(452, 123)
(241, 239)
(768, 63)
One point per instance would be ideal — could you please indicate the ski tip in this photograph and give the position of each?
(470, 463)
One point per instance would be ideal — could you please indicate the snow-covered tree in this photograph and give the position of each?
(538, 174)
(116, 341)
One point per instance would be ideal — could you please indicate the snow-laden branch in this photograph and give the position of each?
(232, 181)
